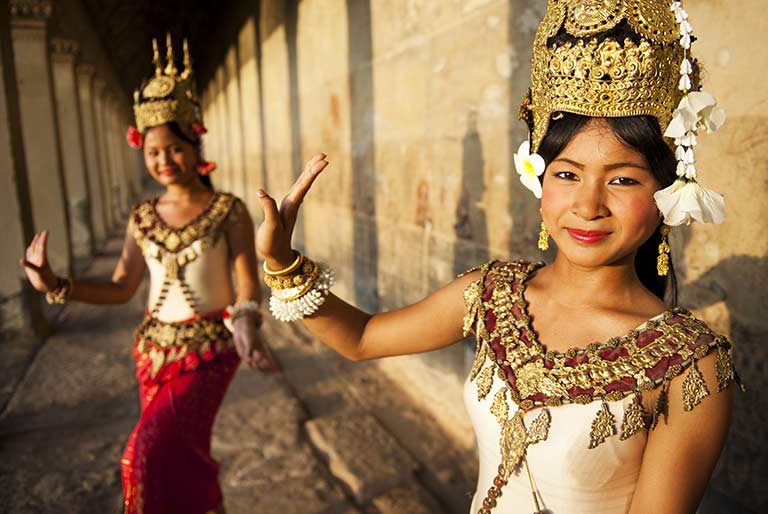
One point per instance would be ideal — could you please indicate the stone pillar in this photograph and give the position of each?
(96, 193)
(130, 159)
(18, 311)
(38, 124)
(115, 142)
(63, 55)
(223, 157)
(101, 142)
(234, 124)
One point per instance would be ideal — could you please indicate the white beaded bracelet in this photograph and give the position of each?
(308, 303)
(234, 311)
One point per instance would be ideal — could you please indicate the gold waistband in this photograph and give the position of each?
(167, 334)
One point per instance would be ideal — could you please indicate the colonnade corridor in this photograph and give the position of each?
(416, 104)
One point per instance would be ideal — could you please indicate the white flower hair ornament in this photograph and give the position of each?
(686, 200)
(529, 166)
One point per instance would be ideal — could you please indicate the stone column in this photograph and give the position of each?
(18, 311)
(114, 142)
(223, 158)
(130, 159)
(95, 181)
(38, 124)
(101, 142)
(63, 55)
(234, 124)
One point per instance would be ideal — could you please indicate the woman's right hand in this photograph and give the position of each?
(36, 265)
(273, 239)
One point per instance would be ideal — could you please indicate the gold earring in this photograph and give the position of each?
(543, 237)
(662, 261)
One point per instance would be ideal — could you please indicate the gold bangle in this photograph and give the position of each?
(296, 263)
(306, 272)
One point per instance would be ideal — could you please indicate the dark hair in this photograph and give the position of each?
(644, 135)
(176, 129)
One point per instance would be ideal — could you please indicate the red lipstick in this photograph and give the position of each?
(587, 236)
(167, 172)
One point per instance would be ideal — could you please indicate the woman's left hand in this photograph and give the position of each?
(251, 349)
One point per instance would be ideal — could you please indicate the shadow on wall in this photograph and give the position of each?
(362, 135)
(471, 228)
(743, 466)
(297, 165)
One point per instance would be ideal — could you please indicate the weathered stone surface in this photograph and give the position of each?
(410, 498)
(268, 423)
(292, 483)
(361, 453)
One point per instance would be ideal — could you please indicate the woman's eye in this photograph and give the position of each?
(566, 175)
(624, 181)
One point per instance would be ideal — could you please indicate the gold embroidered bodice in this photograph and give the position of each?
(189, 266)
(524, 377)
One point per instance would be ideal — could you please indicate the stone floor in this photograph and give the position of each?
(325, 436)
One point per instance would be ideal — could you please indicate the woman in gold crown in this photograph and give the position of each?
(589, 393)
(198, 326)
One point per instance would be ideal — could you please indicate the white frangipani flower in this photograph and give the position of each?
(696, 110)
(685, 201)
(530, 167)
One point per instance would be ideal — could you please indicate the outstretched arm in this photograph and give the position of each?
(125, 278)
(432, 323)
(247, 336)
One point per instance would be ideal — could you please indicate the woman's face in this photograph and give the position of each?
(597, 200)
(169, 159)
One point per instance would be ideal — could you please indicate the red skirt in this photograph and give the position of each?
(167, 466)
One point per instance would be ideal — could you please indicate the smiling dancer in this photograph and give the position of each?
(198, 326)
(589, 393)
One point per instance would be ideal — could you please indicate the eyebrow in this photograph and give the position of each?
(607, 167)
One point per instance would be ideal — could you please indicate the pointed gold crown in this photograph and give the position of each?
(168, 96)
(594, 74)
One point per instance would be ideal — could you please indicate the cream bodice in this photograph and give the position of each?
(576, 419)
(189, 267)
(208, 282)
(570, 477)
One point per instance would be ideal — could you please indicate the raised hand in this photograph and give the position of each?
(36, 265)
(273, 239)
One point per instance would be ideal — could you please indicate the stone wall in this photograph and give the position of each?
(416, 103)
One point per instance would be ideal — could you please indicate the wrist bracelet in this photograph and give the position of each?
(232, 312)
(306, 304)
(293, 267)
(61, 293)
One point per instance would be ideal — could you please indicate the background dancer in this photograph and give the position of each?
(198, 325)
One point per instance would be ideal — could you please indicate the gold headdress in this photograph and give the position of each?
(614, 58)
(169, 96)
(609, 78)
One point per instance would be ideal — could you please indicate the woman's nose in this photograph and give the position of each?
(589, 202)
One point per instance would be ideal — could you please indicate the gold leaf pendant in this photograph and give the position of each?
(634, 419)
(512, 443)
(694, 388)
(484, 382)
(603, 426)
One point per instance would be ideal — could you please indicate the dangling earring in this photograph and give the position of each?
(662, 261)
(543, 238)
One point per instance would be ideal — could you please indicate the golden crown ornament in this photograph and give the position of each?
(651, 73)
(168, 96)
